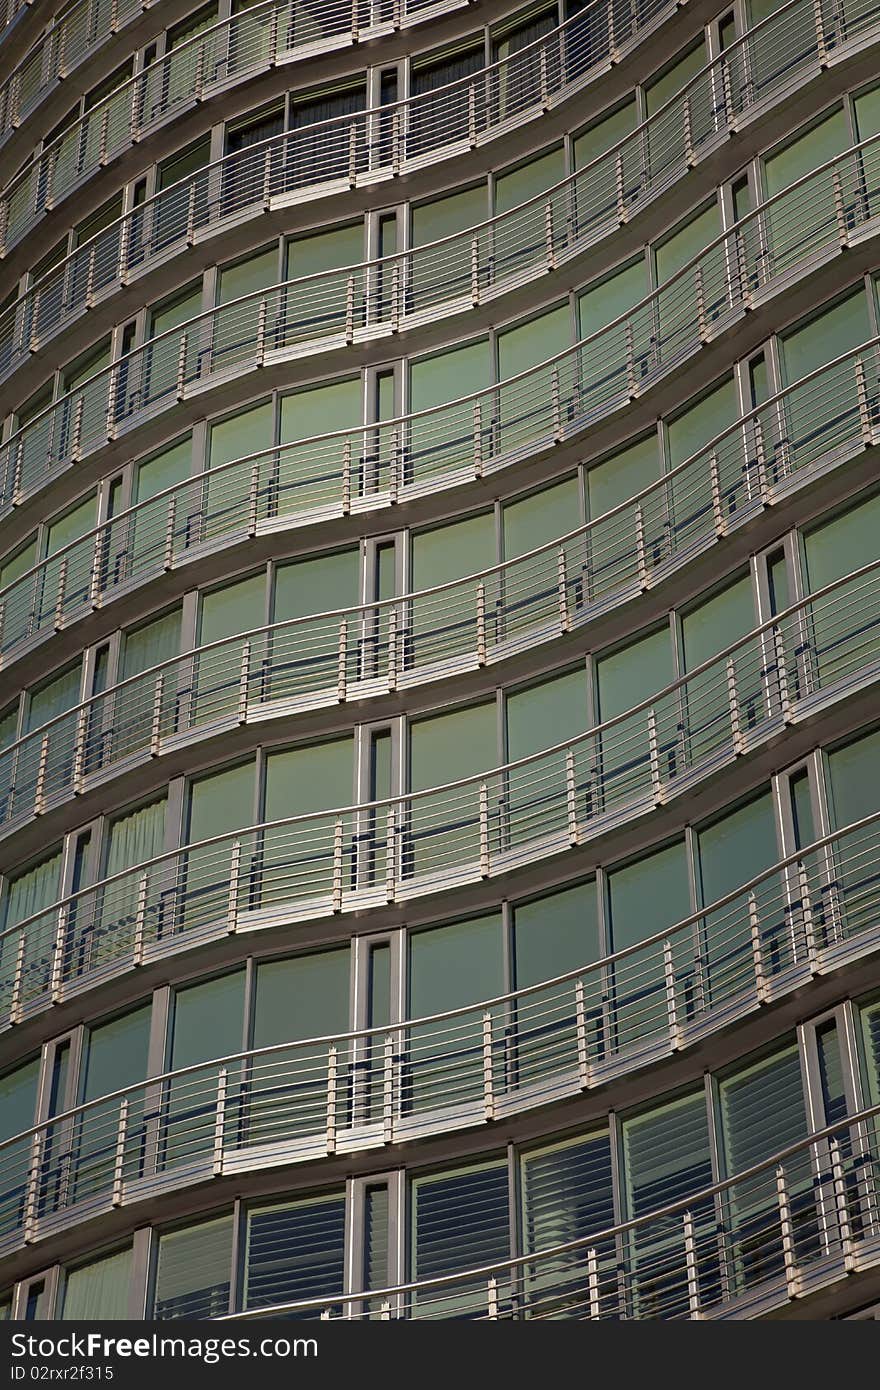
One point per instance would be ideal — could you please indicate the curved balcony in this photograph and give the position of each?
(784, 1229)
(810, 914)
(833, 208)
(265, 35)
(824, 421)
(450, 276)
(360, 858)
(335, 155)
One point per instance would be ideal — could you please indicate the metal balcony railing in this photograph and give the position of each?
(9, 13)
(822, 421)
(783, 1229)
(812, 655)
(470, 267)
(262, 36)
(825, 211)
(360, 148)
(810, 913)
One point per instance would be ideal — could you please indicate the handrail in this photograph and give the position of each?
(663, 328)
(813, 1143)
(323, 863)
(527, 1047)
(38, 182)
(644, 155)
(466, 1011)
(514, 592)
(55, 54)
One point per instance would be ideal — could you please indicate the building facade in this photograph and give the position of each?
(439, 615)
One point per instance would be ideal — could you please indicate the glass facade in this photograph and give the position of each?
(439, 619)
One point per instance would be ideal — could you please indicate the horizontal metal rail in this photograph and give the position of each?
(373, 466)
(368, 144)
(808, 914)
(823, 420)
(482, 262)
(782, 1229)
(264, 35)
(321, 864)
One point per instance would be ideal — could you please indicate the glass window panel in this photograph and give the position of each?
(59, 695)
(341, 246)
(556, 934)
(236, 608)
(446, 747)
(221, 802)
(70, 527)
(701, 423)
(207, 1020)
(871, 1051)
(317, 585)
(530, 179)
(658, 92)
(241, 435)
(448, 552)
(648, 896)
(867, 113)
(149, 645)
(634, 673)
(826, 337)
(737, 848)
(730, 852)
(296, 1251)
(718, 623)
(687, 243)
(193, 1271)
(164, 470)
(604, 302)
(33, 890)
(176, 313)
(99, 1291)
(301, 998)
(445, 216)
(762, 1111)
(460, 1220)
(316, 777)
(854, 773)
(803, 155)
(455, 965)
(115, 1054)
(312, 476)
(666, 1154)
(541, 517)
(531, 343)
(604, 135)
(843, 545)
(621, 477)
(546, 714)
(435, 381)
(18, 1099)
(258, 272)
(13, 569)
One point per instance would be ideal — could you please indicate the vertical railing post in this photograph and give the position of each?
(782, 674)
(593, 1284)
(715, 483)
(342, 662)
(841, 1206)
(244, 682)
(170, 526)
(641, 553)
(865, 421)
(338, 841)
(807, 922)
(388, 1089)
(15, 999)
(392, 649)
(234, 886)
(580, 1023)
(32, 1190)
(654, 758)
(59, 949)
(556, 404)
(485, 866)
(156, 722)
(492, 1297)
(761, 990)
(40, 790)
(220, 1120)
(140, 919)
(390, 857)
(60, 594)
(346, 477)
(79, 749)
(736, 736)
(478, 439)
(786, 1230)
(675, 1040)
(571, 798)
(119, 1158)
(475, 270)
(562, 588)
(332, 1078)
(690, 1259)
(549, 246)
(481, 623)
(488, 1067)
(254, 499)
